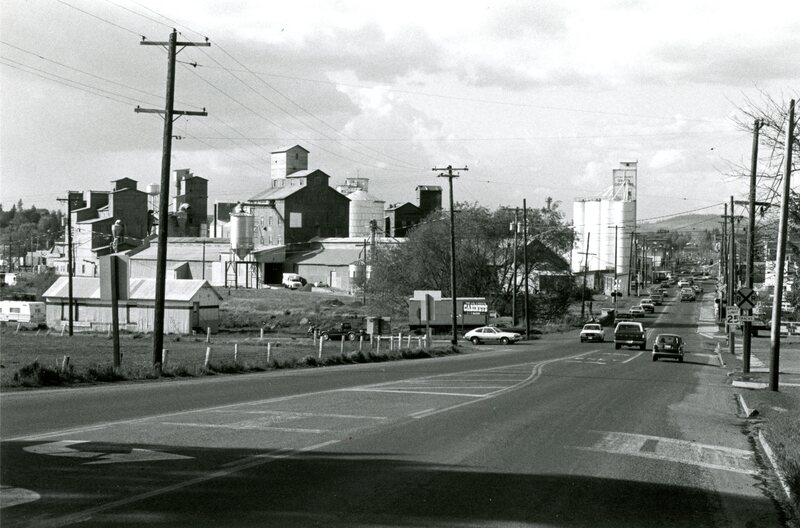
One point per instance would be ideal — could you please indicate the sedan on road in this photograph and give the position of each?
(668, 345)
(593, 332)
(636, 311)
(490, 334)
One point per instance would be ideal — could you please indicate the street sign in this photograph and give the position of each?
(747, 318)
(476, 307)
(732, 319)
(732, 310)
(746, 298)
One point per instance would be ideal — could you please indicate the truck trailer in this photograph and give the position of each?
(471, 312)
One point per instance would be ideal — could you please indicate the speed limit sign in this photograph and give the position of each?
(732, 319)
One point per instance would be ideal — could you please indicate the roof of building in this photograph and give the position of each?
(140, 289)
(332, 257)
(429, 187)
(186, 252)
(276, 193)
(361, 195)
(396, 206)
(284, 149)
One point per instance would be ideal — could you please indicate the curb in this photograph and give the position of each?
(719, 356)
(774, 463)
(748, 412)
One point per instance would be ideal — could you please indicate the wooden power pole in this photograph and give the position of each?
(168, 115)
(449, 175)
(780, 258)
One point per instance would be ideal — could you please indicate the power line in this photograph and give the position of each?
(101, 19)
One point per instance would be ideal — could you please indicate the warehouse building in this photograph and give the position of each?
(189, 305)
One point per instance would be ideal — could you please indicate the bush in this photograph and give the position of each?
(36, 375)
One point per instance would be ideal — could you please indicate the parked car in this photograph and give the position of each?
(647, 305)
(687, 294)
(592, 332)
(490, 334)
(668, 345)
(630, 334)
(636, 311)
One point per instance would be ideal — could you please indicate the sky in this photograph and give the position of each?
(537, 98)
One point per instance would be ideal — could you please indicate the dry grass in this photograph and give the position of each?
(779, 414)
(34, 359)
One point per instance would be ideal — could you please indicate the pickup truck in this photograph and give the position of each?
(341, 331)
(630, 334)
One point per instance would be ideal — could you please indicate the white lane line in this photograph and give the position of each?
(634, 357)
(11, 496)
(247, 463)
(237, 427)
(418, 413)
(446, 387)
(674, 450)
(409, 391)
(305, 414)
(534, 375)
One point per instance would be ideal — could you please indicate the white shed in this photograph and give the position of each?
(189, 305)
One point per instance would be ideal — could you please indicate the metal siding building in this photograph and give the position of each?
(190, 304)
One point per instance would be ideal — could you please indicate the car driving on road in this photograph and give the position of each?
(648, 305)
(668, 345)
(687, 294)
(636, 311)
(490, 334)
(592, 332)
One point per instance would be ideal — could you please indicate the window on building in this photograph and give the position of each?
(14, 310)
(296, 155)
(269, 221)
(295, 220)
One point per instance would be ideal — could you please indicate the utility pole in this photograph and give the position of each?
(751, 245)
(525, 264)
(731, 280)
(70, 263)
(450, 177)
(515, 228)
(616, 294)
(585, 269)
(631, 260)
(780, 258)
(168, 115)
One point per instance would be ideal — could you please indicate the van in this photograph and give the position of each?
(23, 312)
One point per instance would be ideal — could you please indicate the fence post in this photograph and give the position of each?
(235, 353)
(360, 343)
(314, 336)
(262, 334)
(341, 346)
(408, 341)
(320, 348)
(208, 334)
(64, 364)
(17, 330)
(378, 351)
(208, 357)
(62, 330)
(269, 350)
(164, 355)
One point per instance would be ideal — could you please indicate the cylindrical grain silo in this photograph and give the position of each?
(592, 234)
(241, 229)
(579, 222)
(364, 209)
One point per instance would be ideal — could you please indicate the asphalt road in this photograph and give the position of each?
(548, 433)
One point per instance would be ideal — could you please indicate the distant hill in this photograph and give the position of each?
(683, 223)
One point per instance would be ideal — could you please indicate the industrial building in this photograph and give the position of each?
(299, 204)
(94, 213)
(399, 218)
(604, 226)
(189, 305)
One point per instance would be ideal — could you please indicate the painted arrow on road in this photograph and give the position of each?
(63, 448)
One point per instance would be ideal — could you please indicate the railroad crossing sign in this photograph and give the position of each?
(746, 298)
